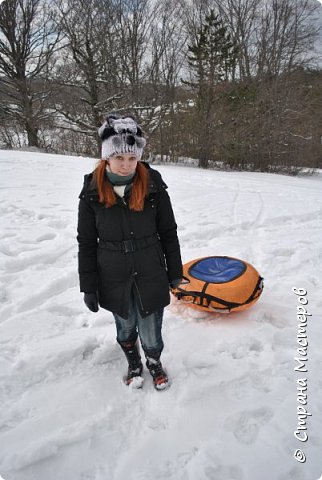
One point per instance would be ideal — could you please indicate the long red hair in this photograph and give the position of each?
(106, 192)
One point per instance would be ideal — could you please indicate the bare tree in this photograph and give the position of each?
(167, 57)
(192, 14)
(273, 36)
(135, 19)
(106, 59)
(28, 39)
(90, 66)
(285, 36)
(241, 17)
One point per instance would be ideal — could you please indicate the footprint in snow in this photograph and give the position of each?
(48, 292)
(6, 250)
(279, 320)
(256, 346)
(36, 260)
(252, 348)
(247, 424)
(4, 295)
(46, 236)
(7, 235)
(60, 224)
(283, 252)
(43, 216)
(244, 386)
(219, 472)
(63, 311)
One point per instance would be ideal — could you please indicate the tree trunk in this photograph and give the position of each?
(32, 134)
(204, 153)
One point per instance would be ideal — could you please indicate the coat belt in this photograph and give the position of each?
(131, 245)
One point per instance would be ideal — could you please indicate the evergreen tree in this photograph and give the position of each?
(211, 59)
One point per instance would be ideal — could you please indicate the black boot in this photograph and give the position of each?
(160, 378)
(135, 368)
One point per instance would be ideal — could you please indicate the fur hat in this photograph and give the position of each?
(121, 134)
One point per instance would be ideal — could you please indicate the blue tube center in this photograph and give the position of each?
(217, 269)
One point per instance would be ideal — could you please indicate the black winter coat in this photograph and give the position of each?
(107, 269)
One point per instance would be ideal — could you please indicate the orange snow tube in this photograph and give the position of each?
(219, 284)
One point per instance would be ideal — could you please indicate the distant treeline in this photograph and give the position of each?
(234, 84)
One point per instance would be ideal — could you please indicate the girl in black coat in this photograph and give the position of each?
(129, 251)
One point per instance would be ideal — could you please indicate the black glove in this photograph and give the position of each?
(175, 283)
(91, 301)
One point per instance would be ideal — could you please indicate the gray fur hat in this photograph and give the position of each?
(121, 134)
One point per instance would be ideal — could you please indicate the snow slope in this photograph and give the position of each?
(231, 411)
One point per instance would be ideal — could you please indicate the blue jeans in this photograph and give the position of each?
(148, 328)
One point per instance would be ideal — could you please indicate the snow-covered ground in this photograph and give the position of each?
(231, 411)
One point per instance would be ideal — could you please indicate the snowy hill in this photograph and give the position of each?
(232, 408)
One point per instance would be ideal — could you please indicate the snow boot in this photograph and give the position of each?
(133, 377)
(160, 378)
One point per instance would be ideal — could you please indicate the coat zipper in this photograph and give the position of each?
(137, 288)
(140, 299)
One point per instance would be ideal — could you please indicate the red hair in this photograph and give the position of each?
(106, 192)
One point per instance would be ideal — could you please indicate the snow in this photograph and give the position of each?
(137, 382)
(231, 410)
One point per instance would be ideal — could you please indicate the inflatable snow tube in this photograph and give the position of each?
(219, 284)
